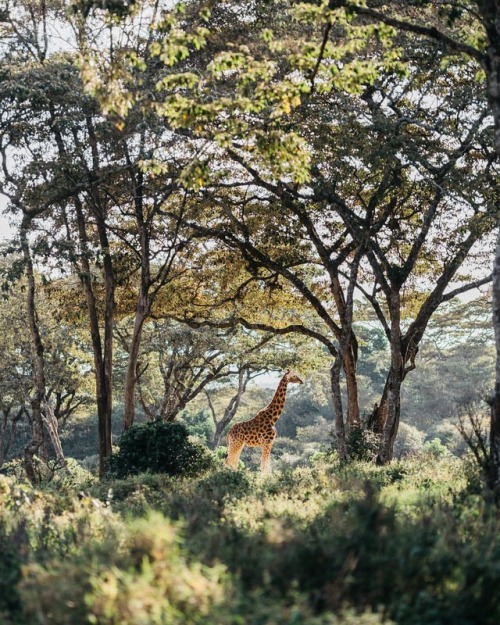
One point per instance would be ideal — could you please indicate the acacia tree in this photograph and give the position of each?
(252, 105)
(180, 363)
(433, 162)
(102, 211)
(471, 29)
(438, 163)
(33, 137)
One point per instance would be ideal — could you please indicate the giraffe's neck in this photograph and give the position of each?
(275, 408)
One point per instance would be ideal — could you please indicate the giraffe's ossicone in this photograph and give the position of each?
(259, 431)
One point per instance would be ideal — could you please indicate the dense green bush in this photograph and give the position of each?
(159, 447)
(410, 543)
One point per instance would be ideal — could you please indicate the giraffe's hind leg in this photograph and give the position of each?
(264, 460)
(234, 449)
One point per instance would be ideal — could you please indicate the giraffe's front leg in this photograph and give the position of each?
(264, 460)
(234, 450)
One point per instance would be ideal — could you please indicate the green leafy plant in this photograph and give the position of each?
(159, 447)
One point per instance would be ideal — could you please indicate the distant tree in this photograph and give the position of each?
(179, 363)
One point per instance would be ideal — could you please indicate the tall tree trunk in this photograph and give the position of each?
(345, 355)
(494, 474)
(142, 305)
(107, 371)
(491, 13)
(141, 313)
(99, 208)
(395, 379)
(101, 381)
(339, 426)
(102, 348)
(41, 413)
(351, 381)
(344, 309)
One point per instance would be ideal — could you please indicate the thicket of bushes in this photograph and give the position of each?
(413, 543)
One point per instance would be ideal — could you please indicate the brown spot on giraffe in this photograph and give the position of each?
(259, 431)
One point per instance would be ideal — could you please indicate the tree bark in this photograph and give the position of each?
(491, 13)
(106, 373)
(351, 381)
(102, 349)
(339, 426)
(143, 303)
(345, 355)
(41, 414)
(133, 358)
(394, 382)
(101, 379)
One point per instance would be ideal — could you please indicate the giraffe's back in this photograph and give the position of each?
(254, 433)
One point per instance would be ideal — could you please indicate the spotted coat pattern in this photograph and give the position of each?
(259, 431)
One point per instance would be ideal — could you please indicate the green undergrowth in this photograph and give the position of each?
(412, 543)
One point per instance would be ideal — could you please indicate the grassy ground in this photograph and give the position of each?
(412, 543)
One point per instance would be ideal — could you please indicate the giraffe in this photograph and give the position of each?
(259, 431)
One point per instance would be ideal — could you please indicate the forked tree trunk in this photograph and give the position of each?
(345, 356)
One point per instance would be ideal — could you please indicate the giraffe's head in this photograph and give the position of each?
(292, 378)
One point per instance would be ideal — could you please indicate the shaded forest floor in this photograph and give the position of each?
(413, 543)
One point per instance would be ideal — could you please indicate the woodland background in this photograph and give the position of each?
(200, 196)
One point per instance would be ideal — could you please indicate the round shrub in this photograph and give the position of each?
(362, 444)
(159, 447)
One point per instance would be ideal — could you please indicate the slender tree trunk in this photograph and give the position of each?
(102, 349)
(345, 355)
(349, 354)
(38, 370)
(99, 208)
(107, 371)
(394, 382)
(41, 414)
(339, 426)
(351, 380)
(494, 475)
(52, 427)
(491, 11)
(141, 309)
(141, 313)
(101, 381)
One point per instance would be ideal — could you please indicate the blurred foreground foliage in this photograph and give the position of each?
(411, 543)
